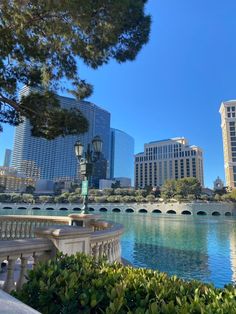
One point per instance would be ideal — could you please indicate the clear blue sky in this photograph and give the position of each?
(176, 84)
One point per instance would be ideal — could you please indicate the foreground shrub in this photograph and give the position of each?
(79, 284)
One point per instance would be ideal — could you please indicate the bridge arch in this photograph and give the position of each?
(21, 207)
(201, 213)
(171, 212)
(129, 210)
(91, 209)
(63, 208)
(157, 211)
(77, 209)
(228, 214)
(186, 212)
(36, 208)
(116, 210)
(215, 213)
(142, 210)
(103, 209)
(49, 208)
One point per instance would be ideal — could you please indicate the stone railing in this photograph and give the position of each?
(105, 243)
(25, 240)
(23, 226)
(18, 256)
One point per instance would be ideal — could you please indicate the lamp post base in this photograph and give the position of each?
(85, 208)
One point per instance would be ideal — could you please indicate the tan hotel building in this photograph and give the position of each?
(228, 125)
(168, 159)
(12, 182)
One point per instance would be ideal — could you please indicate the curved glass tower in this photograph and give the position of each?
(122, 155)
(55, 159)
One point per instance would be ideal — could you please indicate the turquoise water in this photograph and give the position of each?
(200, 248)
(190, 247)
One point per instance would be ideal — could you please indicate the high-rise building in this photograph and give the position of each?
(168, 159)
(122, 155)
(12, 181)
(55, 159)
(7, 158)
(228, 125)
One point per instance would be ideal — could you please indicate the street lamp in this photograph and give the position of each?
(86, 161)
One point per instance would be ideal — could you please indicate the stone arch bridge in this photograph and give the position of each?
(194, 208)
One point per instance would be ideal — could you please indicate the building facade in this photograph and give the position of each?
(7, 158)
(168, 159)
(218, 184)
(228, 125)
(12, 181)
(108, 183)
(122, 155)
(55, 159)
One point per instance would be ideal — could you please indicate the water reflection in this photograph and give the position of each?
(199, 248)
(233, 254)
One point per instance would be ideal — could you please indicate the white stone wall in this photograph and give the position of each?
(177, 208)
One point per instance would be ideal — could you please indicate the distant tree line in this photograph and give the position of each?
(181, 190)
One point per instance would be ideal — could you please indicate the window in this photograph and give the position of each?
(228, 109)
(233, 108)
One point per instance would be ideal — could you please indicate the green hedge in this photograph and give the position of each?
(79, 284)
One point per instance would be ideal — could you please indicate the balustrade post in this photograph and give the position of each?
(101, 250)
(9, 284)
(95, 251)
(23, 271)
(116, 250)
(106, 250)
(109, 253)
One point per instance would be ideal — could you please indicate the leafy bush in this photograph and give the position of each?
(79, 284)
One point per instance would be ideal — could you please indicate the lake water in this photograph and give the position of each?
(200, 248)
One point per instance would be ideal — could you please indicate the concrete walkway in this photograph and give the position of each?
(10, 305)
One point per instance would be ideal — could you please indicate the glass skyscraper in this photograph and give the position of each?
(122, 155)
(55, 159)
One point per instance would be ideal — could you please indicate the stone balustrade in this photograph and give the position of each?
(27, 239)
(23, 226)
(18, 254)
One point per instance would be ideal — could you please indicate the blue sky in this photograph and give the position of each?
(176, 84)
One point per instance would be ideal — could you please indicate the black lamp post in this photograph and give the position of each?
(86, 161)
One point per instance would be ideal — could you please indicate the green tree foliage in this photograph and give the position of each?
(41, 45)
(80, 284)
(30, 189)
(186, 188)
(142, 193)
(115, 185)
(150, 198)
(45, 199)
(28, 198)
(2, 188)
(168, 189)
